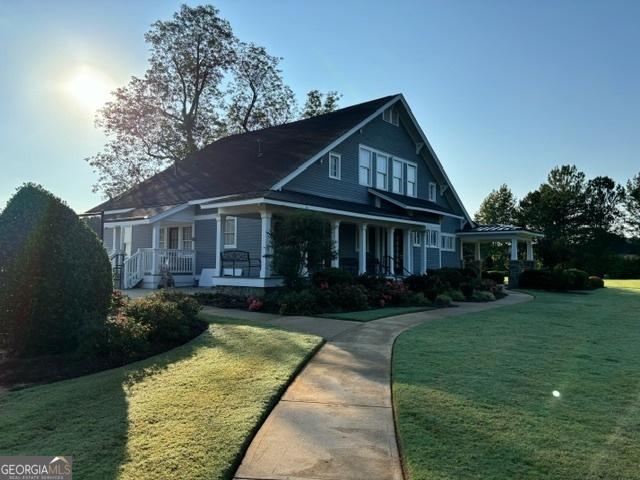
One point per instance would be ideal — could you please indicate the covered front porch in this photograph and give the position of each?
(364, 244)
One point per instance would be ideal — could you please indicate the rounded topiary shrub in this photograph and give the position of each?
(55, 276)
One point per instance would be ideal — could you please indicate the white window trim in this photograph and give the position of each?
(415, 237)
(432, 188)
(339, 158)
(393, 177)
(442, 242)
(415, 180)
(235, 232)
(370, 175)
(386, 171)
(394, 116)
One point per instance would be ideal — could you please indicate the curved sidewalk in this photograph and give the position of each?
(335, 421)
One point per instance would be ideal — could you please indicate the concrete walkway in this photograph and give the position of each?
(335, 421)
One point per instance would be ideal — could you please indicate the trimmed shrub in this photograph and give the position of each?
(495, 275)
(443, 300)
(450, 277)
(55, 276)
(299, 303)
(332, 276)
(482, 297)
(456, 295)
(578, 279)
(168, 321)
(351, 298)
(138, 328)
(595, 282)
(417, 283)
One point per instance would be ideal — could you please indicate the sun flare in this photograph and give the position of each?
(88, 88)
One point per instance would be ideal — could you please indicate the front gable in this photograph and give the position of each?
(401, 141)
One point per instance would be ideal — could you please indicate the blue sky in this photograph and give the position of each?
(504, 90)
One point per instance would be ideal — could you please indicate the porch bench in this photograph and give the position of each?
(238, 260)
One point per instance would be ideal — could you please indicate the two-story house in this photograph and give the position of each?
(369, 168)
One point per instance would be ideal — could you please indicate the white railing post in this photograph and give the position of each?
(335, 238)
(265, 263)
(362, 257)
(219, 240)
(390, 236)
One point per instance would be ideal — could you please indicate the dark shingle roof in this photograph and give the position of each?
(496, 228)
(233, 165)
(409, 203)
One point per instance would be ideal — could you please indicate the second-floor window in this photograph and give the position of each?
(364, 170)
(382, 164)
(334, 166)
(397, 176)
(432, 192)
(411, 180)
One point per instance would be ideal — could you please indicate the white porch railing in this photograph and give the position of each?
(149, 261)
(176, 261)
(132, 270)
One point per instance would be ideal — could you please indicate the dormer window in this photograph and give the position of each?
(334, 166)
(391, 115)
(432, 192)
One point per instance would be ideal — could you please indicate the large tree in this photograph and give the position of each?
(602, 209)
(556, 208)
(497, 207)
(173, 110)
(632, 206)
(319, 103)
(202, 83)
(259, 97)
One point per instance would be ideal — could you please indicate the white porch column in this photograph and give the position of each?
(113, 238)
(408, 250)
(219, 240)
(362, 257)
(392, 267)
(335, 238)
(514, 248)
(265, 250)
(477, 255)
(424, 251)
(529, 251)
(155, 244)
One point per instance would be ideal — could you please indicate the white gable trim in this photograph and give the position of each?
(435, 157)
(400, 97)
(332, 145)
(147, 220)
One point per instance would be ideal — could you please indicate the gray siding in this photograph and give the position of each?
(141, 237)
(249, 232)
(451, 259)
(205, 244)
(377, 134)
(348, 241)
(107, 237)
(417, 260)
(433, 258)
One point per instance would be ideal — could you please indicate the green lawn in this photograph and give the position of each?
(374, 313)
(187, 413)
(474, 394)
